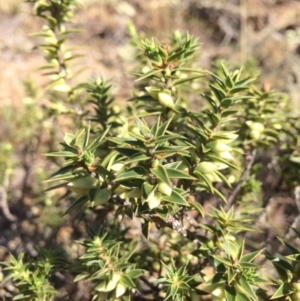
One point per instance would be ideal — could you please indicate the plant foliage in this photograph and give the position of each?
(145, 175)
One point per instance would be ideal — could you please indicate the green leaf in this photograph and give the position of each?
(86, 137)
(184, 69)
(127, 281)
(145, 229)
(218, 159)
(223, 260)
(241, 250)
(243, 283)
(78, 203)
(143, 127)
(202, 177)
(155, 127)
(271, 132)
(21, 297)
(244, 82)
(67, 176)
(186, 79)
(138, 136)
(137, 158)
(248, 265)
(133, 173)
(219, 93)
(212, 102)
(222, 177)
(161, 173)
(148, 74)
(99, 196)
(97, 141)
(164, 152)
(177, 174)
(57, 186)
(224, 70)
(213, 117)
(162, 129)
(281, 263)
(237, 89)
(229, 82)
(131, 141)
(198, 131)
(228, 112)
(218, 80)
(242, 297)
(166, 138)
(295, 159)
(173, 165)
(226, 103)
(175, 198)
(147, 189)
(62, 154)
(198, 207)
(283, 290)
(80, 277)
(250, 256)
(135, 273)
(216, 279)
(231, 275)
(230, 293)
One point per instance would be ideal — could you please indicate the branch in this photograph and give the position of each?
(3, 199)
(170, 222)
(250, 158)
(153, 287)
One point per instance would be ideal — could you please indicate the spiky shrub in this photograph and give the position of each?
(145, 175)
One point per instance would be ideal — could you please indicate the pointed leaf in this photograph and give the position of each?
(223, 260)
(242, 297)
(133, 173)
(283, 290)
(128, 152)
(135, 273)
(186, 79)
(78, 203)
(230, 293)
(62, 154)
(198, 207)
(161, 173)
(147, 189)
(177, 174)
(148, 74)
(243, 283)
(231, 275)
(155, 127)
(137, 158)
(127, 281)
(202, 176)
(175, 198)
(250, 256)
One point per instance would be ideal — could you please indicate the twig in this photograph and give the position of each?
(3, 196)
(250, 158)
(170, 222)
(29, 154)
(149, 284)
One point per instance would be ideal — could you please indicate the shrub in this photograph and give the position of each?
(169, 190)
